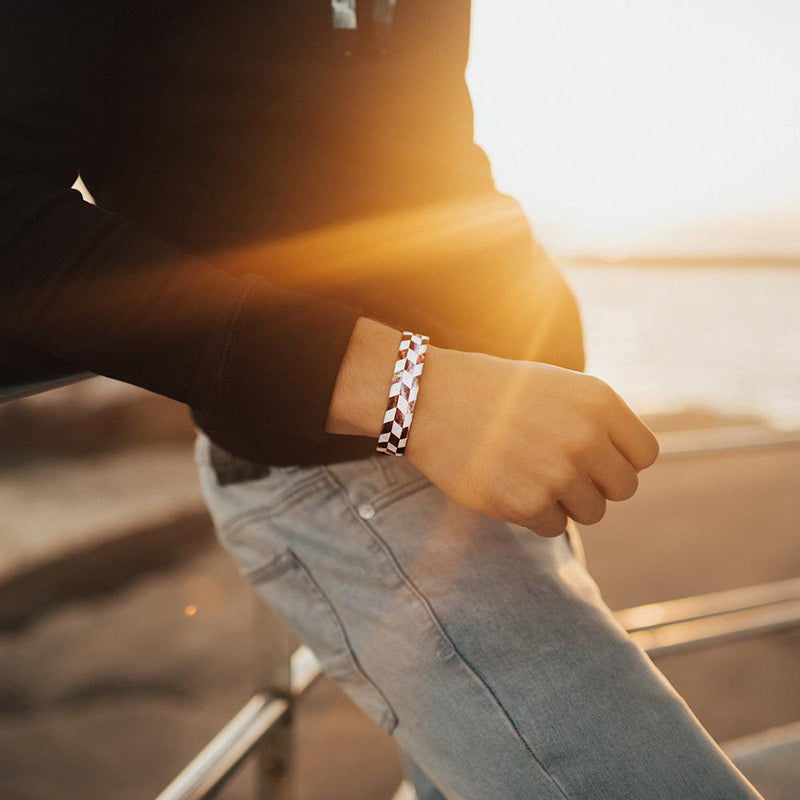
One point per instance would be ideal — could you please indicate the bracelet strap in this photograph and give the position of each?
(403, 393)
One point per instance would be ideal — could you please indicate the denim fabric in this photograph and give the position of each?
(483, 648)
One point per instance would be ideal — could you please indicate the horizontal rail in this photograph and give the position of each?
(671, 612)
(215, 763)
(754, 745)
(724, 439)
(703, 632)
(692, 622)
(16, 391)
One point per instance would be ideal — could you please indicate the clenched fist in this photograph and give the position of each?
(516, 440)
(526, 442)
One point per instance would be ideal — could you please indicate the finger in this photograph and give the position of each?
(632, 437)
(550, 522)
(583, 502)
(613, 474)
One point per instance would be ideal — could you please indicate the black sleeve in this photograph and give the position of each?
(88, 287)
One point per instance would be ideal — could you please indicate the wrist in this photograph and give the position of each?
(437, 401)
(359, 396)
(403, 393)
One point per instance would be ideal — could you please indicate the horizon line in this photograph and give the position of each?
(707, 259)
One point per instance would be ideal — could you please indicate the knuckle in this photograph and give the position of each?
(542, 498)
(598, 513)
(591, 516)
(565, 477)
(600, 393)
(626, 488)
(559, 525)
(649, 454)
(632, 486)
(539, 503)
(543, 516)
(526, 506)
(548, 528)
(655, 449)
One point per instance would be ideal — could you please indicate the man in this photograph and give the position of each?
(278, 198)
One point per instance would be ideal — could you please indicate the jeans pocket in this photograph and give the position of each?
(305, 609)
(243, 512)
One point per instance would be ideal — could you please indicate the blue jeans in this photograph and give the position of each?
(483, 648)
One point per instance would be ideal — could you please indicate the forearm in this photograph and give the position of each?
(360, 391)
(90, 288)
(360, 394)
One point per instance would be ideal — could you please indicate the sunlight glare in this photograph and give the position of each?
(661, 127)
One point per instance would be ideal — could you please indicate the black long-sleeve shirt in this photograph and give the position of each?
(257, 190)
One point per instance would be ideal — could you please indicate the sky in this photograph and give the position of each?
(659, 128)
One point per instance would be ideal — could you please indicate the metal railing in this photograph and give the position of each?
(659, 628)
(17, 389)
(263, 713)
(263, 726)
(691, 622)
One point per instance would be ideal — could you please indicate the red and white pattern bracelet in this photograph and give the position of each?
(403, 393)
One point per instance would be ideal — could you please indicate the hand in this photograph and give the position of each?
(526, 442)
(516, 440)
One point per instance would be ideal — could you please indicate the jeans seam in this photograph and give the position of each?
(390, 715)
(291, 498)
(426, 604)
(385, 470)
(399, 491)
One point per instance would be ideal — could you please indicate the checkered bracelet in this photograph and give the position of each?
(403, 393)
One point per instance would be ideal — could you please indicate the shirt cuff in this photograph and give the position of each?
(274, 363)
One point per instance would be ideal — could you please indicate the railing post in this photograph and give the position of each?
(274, 647)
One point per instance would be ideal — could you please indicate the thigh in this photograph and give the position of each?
(483, 648)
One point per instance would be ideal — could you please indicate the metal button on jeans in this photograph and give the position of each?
(366, 511)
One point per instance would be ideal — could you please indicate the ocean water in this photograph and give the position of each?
(668, 338)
